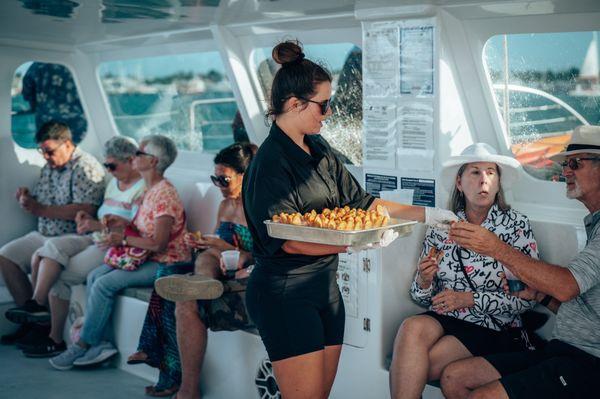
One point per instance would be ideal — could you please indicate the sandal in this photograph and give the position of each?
(152, 391)
(138, 357)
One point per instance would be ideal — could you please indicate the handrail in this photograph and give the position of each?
(530, 90)
(203, 101)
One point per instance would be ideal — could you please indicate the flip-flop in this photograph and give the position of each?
(151, 391)
(138, 357)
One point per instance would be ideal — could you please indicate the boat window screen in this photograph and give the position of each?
(343, 129)
(544, 85)
(186, 97)
(43, 92)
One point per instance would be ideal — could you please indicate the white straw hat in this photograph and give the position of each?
(480, 152)
(585, 139)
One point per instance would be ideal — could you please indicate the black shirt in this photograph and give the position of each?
(284, 178)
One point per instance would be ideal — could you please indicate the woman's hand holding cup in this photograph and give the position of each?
(230, 261)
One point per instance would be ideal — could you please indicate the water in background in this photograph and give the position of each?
(139, 114)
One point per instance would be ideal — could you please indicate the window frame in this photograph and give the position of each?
(67, 63)
(193, 160)
(345, 35)
(351, 35)
(548, 201)
(308, 39)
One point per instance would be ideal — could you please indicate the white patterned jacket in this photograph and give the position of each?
(493, 308)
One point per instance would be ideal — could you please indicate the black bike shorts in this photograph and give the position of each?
(559, 370)
(296, 314)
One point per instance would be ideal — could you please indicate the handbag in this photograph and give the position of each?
(517, 335)
(126, 257)
(129, 258)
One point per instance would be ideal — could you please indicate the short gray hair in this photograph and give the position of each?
(121, 148)
(162, 148)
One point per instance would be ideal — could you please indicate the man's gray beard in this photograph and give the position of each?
(574, 193)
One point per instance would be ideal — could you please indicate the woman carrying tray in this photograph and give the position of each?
(292, 294)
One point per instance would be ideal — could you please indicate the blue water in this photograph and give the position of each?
(133, 117)
(587, 107)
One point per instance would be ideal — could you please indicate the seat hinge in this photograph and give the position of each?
(367, 324)
(366, 265)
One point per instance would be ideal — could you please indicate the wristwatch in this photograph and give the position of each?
(546, 300)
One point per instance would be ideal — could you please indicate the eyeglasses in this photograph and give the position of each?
(51, 151)
(575, 163)
(221, 181)
(110, 166)
(325, 105)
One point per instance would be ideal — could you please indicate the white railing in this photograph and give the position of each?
(202, 102)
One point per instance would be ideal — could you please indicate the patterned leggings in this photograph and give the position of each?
(159, 338)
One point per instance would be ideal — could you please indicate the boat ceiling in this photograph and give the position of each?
(72, 23)
(80, 22)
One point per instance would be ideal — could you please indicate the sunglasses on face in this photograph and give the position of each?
(575, 163)
(110, 166)
(221, 181)
(324, 105)
(50, 151)
(140, 153)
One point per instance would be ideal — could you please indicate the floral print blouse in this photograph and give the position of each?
(162, 200)
(493, 308)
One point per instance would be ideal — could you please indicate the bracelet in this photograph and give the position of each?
(546, 300)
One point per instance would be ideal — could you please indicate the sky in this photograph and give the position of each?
(554, 51)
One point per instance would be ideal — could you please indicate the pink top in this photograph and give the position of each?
(162, 200)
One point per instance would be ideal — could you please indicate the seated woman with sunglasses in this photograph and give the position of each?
(230, 165)
(231, 232)
(469, 314)
(160, 221)
(53, 277)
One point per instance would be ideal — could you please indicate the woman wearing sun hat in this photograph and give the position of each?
(469, 314)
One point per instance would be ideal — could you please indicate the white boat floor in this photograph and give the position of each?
(25, 378)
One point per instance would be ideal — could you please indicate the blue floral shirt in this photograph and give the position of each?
(52, 95)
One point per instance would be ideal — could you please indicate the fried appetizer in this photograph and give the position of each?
(344, 219)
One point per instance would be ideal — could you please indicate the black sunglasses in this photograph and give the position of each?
(110, 166)
(575, 163)
(140, 153)
(325, 105)
(221, 181)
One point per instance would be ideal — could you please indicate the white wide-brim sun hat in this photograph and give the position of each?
(480, 152)
(584, 140)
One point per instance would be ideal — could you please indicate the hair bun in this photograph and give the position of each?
(288, 52)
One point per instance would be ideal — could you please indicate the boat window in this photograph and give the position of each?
(43, 92)
(186, 97)
(544, 85)
(343, 130)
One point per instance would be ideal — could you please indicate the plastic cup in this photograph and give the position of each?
(230, 259)
(514, 284)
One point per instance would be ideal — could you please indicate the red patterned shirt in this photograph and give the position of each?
(162, 200)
